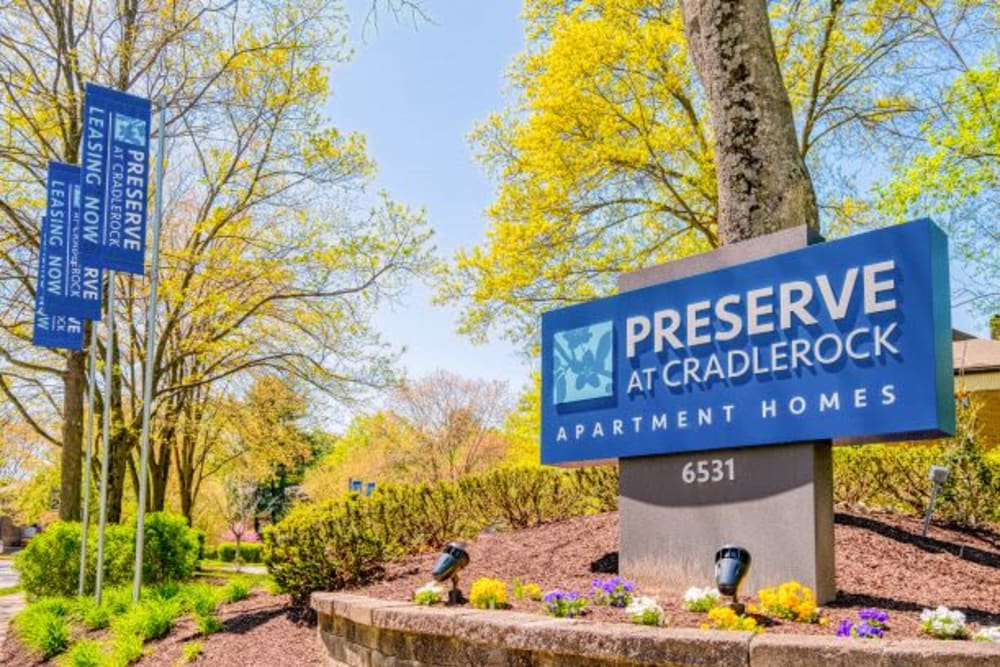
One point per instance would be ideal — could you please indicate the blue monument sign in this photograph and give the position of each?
(849, 339)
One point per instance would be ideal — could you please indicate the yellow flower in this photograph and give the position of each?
(488, 593)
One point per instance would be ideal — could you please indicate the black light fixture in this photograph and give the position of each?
(452, 561)
(732, 563)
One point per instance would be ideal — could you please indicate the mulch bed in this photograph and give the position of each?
(881, 560)
(261, 631)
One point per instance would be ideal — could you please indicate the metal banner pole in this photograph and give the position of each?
(106, 435)
(147, 386)
(89, 435)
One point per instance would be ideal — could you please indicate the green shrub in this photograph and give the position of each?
(426, 515)
(49, 565)
(170, 548)
(885, 476)
(85, 653)
(200, 536)
(44, 626)
(896, 476)
(209, 552)
(234, 591)
(227, 552)
(523, 496)
(250, 552)
(331, 545)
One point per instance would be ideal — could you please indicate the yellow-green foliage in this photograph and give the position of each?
(885, 476)
(328, 546)
(488, 593)
(603, 158)
(896, 476)
(85, 653)
(531, 591)
(45, 626)
(191, 651)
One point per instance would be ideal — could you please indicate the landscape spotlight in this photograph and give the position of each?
(938, 476)
(732, 563)
(452, 561)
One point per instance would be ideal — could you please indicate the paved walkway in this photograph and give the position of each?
(9, 604)
(231, 567)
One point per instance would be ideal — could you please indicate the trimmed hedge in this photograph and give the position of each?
(329, 546)
(250, 552)
(49, 565)
(895, 477)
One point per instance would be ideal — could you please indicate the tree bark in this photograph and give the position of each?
(74, 386)
(763, 182)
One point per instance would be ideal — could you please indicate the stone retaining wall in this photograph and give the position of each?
(364, 632)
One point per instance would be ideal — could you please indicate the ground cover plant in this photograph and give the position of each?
(58, 626)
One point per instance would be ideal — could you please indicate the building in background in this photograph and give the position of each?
(977, 373)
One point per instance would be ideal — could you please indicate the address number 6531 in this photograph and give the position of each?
(708, 471)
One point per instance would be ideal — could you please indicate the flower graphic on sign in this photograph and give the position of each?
(582, 363)
(130, 130)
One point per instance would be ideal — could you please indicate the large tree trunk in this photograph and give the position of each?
(123, 438)
(763, 182)
(74, 386)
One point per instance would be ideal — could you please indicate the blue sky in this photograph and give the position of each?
(416, 92)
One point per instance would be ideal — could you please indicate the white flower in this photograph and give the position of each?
(701, 599)
(694, 594)
(988, 634)
(645, 611)
(430, 588)
(428, 594)
(943, 622)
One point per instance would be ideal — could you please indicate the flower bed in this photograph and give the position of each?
(559, 556)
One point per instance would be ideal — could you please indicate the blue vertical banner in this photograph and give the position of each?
(73, 278)
(57, 331)
(115, 178)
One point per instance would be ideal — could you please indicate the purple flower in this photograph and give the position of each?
(872, 625)
(564, 603)
(873, 616)
(615, 591)
(865, 630)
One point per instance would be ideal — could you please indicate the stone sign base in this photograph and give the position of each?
(363, 632)
(777, 501)
(779, 506)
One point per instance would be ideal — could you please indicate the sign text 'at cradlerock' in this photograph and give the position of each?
(845, 339)
(115, 154)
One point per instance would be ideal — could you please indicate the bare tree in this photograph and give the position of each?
(448, 425)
